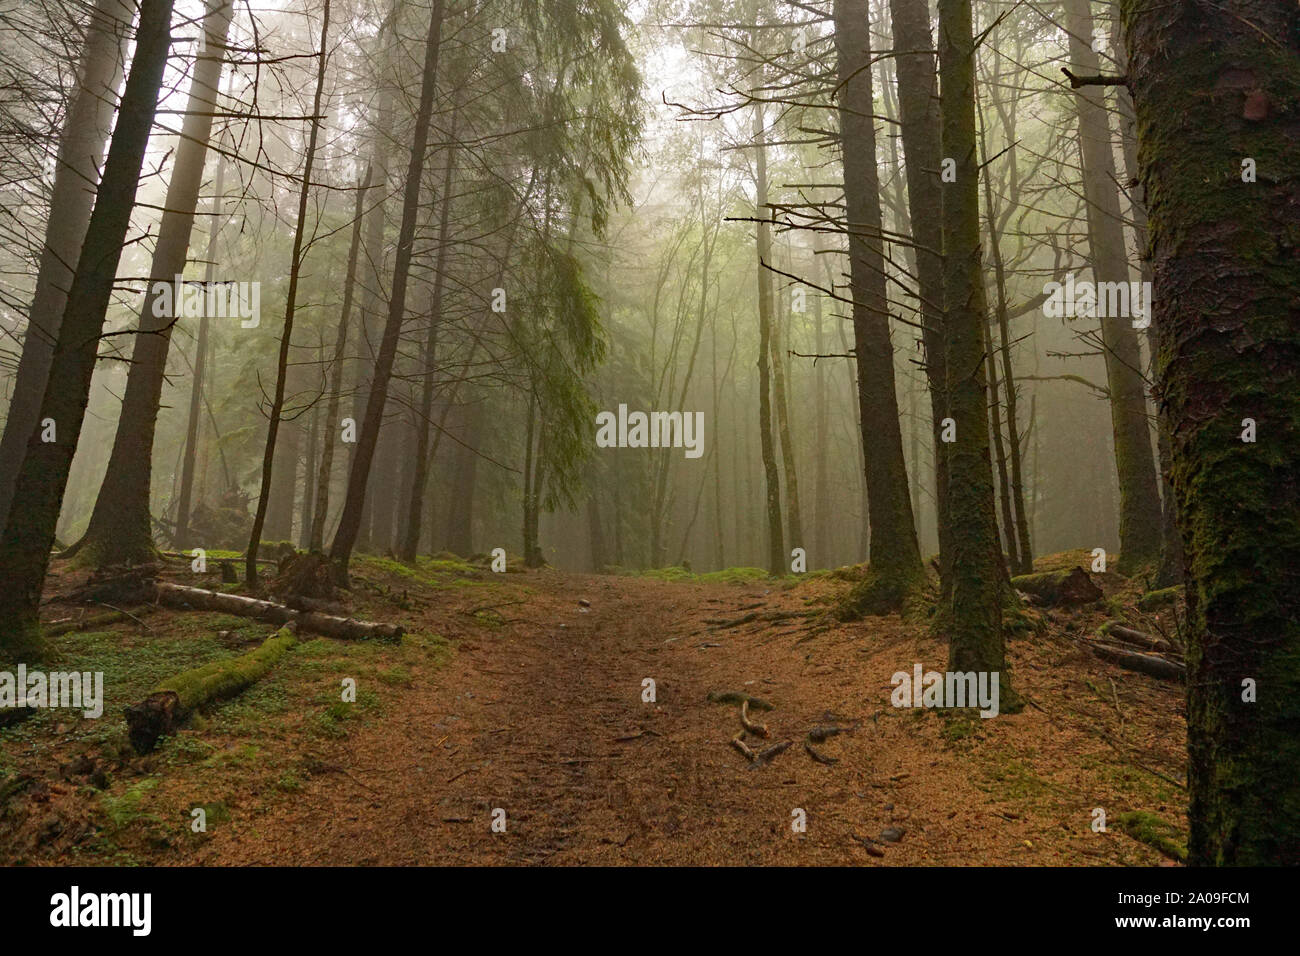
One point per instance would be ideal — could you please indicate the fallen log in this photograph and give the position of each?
(1147, 664)
(316, 622)
(177, 697)
(1059, 587)
(1129, 636)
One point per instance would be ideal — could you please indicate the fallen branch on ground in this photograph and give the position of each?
(93, 620)
(175, 698)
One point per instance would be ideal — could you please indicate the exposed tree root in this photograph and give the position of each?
(736, 697)
(758, 730)
(820, 758)
(770, 754)
(722, 624)
(739, 743)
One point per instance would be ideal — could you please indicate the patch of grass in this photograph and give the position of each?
(1155, 832)
(126, 808)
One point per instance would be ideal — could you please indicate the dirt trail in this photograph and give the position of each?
(543, 717)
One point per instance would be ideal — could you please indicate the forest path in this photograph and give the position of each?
(542, 716)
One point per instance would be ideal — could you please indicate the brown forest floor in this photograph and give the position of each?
(508, 693)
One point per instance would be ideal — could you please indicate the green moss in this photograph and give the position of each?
(880, 592)
(1155, 832)
(126, 808)
(225, 678)
(1165, 597)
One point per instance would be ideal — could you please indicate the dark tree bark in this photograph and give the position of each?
(1214, 86)
(976, 640)
(81, 147)
(350, 521)
(43, 474)
(895, 558)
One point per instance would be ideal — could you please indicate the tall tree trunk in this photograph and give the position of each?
(410, 542)
(895, 558)
(1139, 518)
(120, 528)
(333, 427)
(775, 543)
(286, 332)
(1227, 299)
(1022, 558)
(193, 429)
(821, 479)
(919, 126)
(350, 521)
(43, 474)
(793, 518)
(81, 147)
(1170, 571)
(976, 640)
(460, 510)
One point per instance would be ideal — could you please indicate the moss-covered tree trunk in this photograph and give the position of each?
(121, 528)
(918, 113)
(1213, 87)
(1139, 516)
(43, 475)
(975, 639)
(895, 557)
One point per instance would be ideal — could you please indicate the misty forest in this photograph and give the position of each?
(853, 432)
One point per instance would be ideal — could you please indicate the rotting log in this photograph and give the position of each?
(316, 622)
(1057, 588)
(176, 698)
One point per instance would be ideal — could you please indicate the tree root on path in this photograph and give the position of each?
(758, 730)
(736, 697)
(820, 758)
(722, 624)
